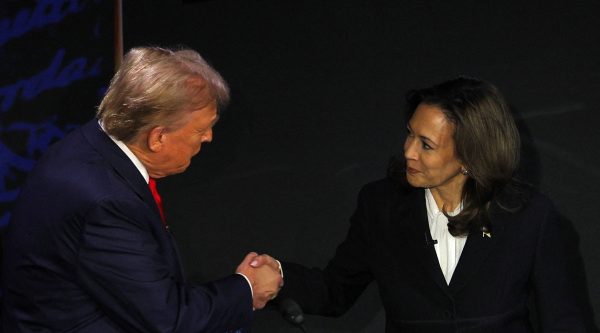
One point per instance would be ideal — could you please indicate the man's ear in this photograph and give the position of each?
(156, 138)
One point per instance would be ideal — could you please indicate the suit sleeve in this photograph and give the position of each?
(124, 268)
(330, 292)
(558, 278)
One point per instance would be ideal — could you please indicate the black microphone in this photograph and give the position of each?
(428, 240)
(292, 312)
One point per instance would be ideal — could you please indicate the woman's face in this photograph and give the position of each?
(429, 150)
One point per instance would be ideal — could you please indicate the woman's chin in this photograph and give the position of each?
(412, 181)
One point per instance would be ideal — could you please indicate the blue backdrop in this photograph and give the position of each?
(56, 58)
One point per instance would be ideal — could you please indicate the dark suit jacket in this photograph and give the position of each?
(85, 251)
(389, 242)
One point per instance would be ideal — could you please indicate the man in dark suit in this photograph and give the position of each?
(88, 248)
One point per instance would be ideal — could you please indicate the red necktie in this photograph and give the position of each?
(152, 185)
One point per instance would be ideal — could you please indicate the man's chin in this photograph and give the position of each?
(167, 173)
(181, 169)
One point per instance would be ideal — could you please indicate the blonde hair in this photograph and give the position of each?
(156, 87)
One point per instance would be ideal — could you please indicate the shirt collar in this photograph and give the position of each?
(136, 161)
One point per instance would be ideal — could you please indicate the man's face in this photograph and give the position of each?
(181, 144)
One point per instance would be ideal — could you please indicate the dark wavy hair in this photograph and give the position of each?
(487, 143)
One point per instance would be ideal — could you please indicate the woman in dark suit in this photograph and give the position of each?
(454, 242)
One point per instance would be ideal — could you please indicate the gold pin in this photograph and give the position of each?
(487, 234)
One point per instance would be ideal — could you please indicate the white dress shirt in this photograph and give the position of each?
(136, 161)
(448, 247)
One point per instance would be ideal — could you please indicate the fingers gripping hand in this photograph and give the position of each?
(243, 266)
(266, 286)
(265, 259)
(264, 274)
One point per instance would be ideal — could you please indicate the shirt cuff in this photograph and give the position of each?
(280, 268)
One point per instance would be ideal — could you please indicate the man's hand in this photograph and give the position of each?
(264, 275)
(265, 259)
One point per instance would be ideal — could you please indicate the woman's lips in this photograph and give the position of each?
(412, 171)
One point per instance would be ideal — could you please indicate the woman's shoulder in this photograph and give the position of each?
(523, 197)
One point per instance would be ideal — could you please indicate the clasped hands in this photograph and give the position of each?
(264, 274)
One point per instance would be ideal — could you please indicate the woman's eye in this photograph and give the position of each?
(426, 146)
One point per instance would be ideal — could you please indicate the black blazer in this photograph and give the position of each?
(389, 242)
(86, 251)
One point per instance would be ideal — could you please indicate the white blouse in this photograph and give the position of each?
(448, 247)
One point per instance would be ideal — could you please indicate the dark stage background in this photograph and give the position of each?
(317, 110)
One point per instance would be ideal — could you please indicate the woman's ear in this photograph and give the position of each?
(156, 139)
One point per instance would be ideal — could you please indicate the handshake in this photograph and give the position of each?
(264, 275)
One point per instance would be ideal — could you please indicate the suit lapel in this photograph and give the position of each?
(131, 176)
(119, 161)
(410, 224)
(477, 249)
(410, 227)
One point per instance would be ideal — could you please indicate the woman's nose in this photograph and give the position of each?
(410, 151)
